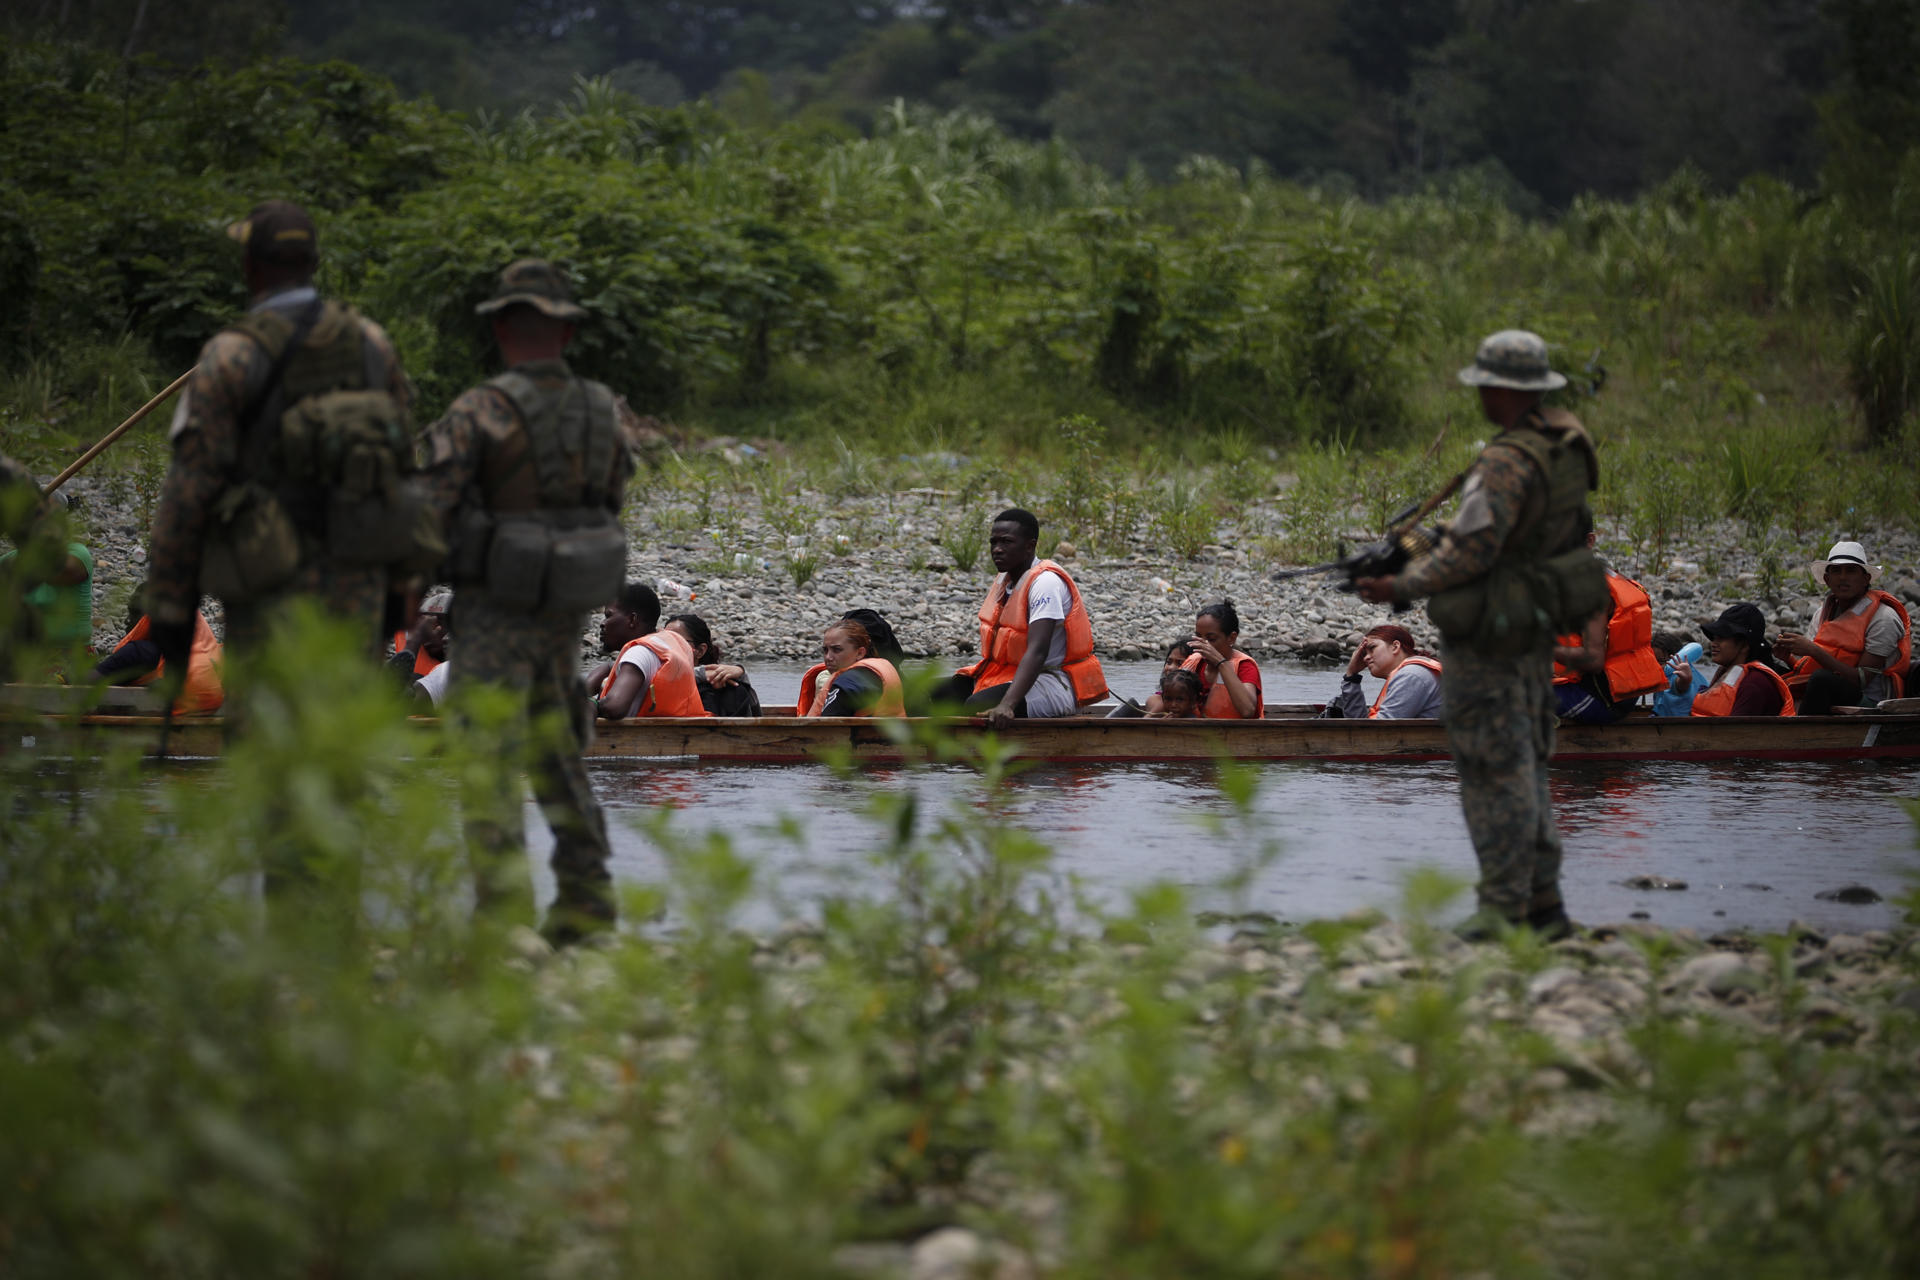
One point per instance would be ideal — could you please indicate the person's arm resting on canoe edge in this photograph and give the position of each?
(1032, 663)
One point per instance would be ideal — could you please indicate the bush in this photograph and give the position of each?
(1883, 345)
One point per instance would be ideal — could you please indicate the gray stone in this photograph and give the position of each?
(1718, 973)
(1851, 894)
(1653, 882)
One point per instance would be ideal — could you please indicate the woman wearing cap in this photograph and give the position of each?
(1746, 683)
(1862, 641)
(1412, 676)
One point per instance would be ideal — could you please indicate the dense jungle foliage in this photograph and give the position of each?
(938, 287)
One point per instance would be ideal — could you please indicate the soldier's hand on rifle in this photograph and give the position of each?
(1374, 590)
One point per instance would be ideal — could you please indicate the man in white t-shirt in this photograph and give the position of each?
(1053, 672)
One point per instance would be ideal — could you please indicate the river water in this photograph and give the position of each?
(1754, 843)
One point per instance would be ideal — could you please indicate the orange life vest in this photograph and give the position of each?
(673, 691)
(423, 661)
(1414, 661)
(202, 694)
(1003, 637)
(892, 702)
(1718, 701)
(1218, 703)
(1631, 667)
(1845, 637)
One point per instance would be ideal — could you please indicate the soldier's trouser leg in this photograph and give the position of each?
(563, 722)
(493, 733)
(1500, 729)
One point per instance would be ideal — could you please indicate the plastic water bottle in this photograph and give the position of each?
(1161, 583)
(668, 587)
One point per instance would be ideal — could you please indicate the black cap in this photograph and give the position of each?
(1739, 622)
(278, 231)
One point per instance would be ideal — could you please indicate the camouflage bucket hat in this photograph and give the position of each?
(1512, 358)
(537, 283)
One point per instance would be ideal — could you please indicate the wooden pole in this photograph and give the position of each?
(117, 432)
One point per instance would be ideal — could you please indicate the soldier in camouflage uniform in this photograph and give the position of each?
(537, 443)
(22, 509)
(226, 402)
(1523, 503)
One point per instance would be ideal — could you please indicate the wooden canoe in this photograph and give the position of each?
(1290, 733)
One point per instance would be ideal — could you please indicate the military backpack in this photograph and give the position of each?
(552, 547)
(327, 463)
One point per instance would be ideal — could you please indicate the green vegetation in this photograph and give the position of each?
(369, 1085)
(941, 305)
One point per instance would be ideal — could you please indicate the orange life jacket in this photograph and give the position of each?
(1631, 667)
(423, 661)
(673, 691)
(1003, 637)
(892, 702)
(202, 694)
(1414, 661)
(1718, 701)
(1845, 637)
(1218, 703)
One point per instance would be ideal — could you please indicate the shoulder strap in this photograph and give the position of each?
(258, 327)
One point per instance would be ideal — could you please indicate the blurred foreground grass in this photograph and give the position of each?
(367, 1084)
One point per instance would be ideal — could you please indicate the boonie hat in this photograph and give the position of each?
(1848, 553)
(278, 230)
(1739, 622)
(1512, 358)
(537, 283)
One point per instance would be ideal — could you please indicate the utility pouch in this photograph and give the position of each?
(588, 566)
(517, 564)
(252, 548)
(1496, 615)
(1571, 587)
(472, 539)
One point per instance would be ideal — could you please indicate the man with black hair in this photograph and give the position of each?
(1036, 641)
(653, 668)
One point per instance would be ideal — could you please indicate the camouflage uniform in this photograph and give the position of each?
(473, 457)
(208, 437)
(1499, 709)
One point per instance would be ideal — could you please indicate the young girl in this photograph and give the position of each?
(1179, 696)
(849, 680)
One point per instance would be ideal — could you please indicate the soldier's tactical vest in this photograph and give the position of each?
(542, 540)
(1546, 581)
(326, 463)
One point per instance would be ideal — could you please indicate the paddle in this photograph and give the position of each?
(117, 432)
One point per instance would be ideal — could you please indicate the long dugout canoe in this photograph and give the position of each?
(786, 739)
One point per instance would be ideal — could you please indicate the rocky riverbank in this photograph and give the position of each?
(1579, 1041)
(891, 552)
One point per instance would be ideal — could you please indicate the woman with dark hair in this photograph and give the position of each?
(1746, 683)
(724, 687)
(1229, 679)
(1412, 679)
(880, 631)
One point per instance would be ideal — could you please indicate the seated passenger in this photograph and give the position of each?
(423, 646)
(1675, 651)
(1036, 641)
(1412, 676)
(1230, 679)
(652, 672)
(849, 680)
(135, 659)
(1746, 683)
(724, 687)
(1178, 655)
(1179, 696)
(1862, 641)
(1600, 674)
(877, 626)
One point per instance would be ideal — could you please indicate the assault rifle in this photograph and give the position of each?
(1405, 542)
